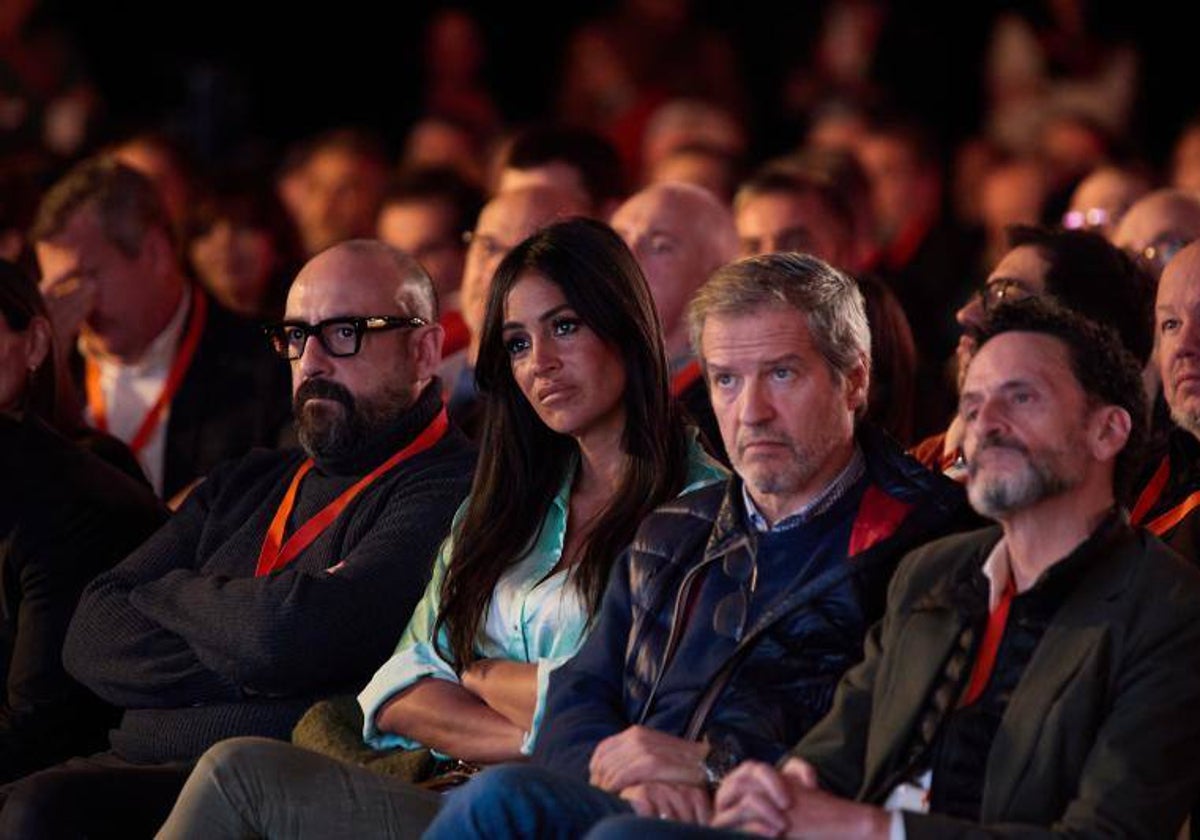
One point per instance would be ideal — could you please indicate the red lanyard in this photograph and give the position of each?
(1149, 498)
(985, 660)
(684, 377)
(179, 369)
(276, 553)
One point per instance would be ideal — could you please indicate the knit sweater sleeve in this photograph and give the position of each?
(301, 629)
(124, 655)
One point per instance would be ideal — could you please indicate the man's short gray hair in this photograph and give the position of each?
(829, 299)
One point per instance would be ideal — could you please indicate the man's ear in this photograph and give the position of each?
(1109, 431)
(37, 342)
(426, 347)
(858, 383)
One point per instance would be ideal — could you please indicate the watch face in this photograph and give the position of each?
(719, 761)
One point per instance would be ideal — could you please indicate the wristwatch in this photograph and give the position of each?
(718, 762)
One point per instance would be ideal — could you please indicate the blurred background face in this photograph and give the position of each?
(425, 231)
(335, 198)
(236, 263)
(779, 221)
(660, 233)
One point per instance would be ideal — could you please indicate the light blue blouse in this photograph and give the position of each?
(534, 616)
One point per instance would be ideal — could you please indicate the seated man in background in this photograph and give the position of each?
(1170, 494)
(287, 575)
(427, 214)
(680, 235)
(184, 382)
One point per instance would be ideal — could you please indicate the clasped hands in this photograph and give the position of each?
(663, 776)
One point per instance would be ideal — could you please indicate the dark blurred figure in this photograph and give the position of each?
(20, 190)
(566, 159)
(65, 516)
(1185, 158)
(1052, 67)
(1103, 198)
(783, 208)
(332, 187)
(455, 55)
(164, 162)
(1013, 191)
(1157, 227)
(925, 260)
(441, 142)
(891, 402)
(701, 166)
(619, 68)
(428, 213)
(243, 249)
(165, 368)
(682, 124)
(47, 101)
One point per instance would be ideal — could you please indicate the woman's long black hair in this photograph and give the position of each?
(522, 463)
(20, 303)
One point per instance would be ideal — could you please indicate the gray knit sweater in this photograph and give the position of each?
(195, 648)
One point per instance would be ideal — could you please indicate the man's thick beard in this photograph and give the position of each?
(339, 434)
(1037, 481)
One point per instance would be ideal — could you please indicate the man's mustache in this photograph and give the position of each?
(996, 441)
(322, 389)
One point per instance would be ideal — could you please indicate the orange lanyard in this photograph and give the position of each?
(684, 377)
(276, 553)
(985, 660)
(179, 369)
(1149, 497)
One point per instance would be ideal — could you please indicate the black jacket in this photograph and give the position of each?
(65, 517)
(780, 680)
(195, 647)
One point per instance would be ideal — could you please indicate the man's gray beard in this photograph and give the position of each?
(1189, 421)
(1001, 496)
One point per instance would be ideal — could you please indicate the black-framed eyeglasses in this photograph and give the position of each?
(1000, 290)
(338, 336)
(730, 613)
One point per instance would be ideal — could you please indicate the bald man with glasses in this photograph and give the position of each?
(287, 575)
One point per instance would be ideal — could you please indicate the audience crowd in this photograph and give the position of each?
(595, 477)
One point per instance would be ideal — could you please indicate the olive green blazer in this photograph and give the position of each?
(1101, 736)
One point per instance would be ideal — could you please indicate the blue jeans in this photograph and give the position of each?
(645, 828)
(521, 801)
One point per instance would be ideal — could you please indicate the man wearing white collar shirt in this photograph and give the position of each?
(183, 382)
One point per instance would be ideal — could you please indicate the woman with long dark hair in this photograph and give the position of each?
(581, 440)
